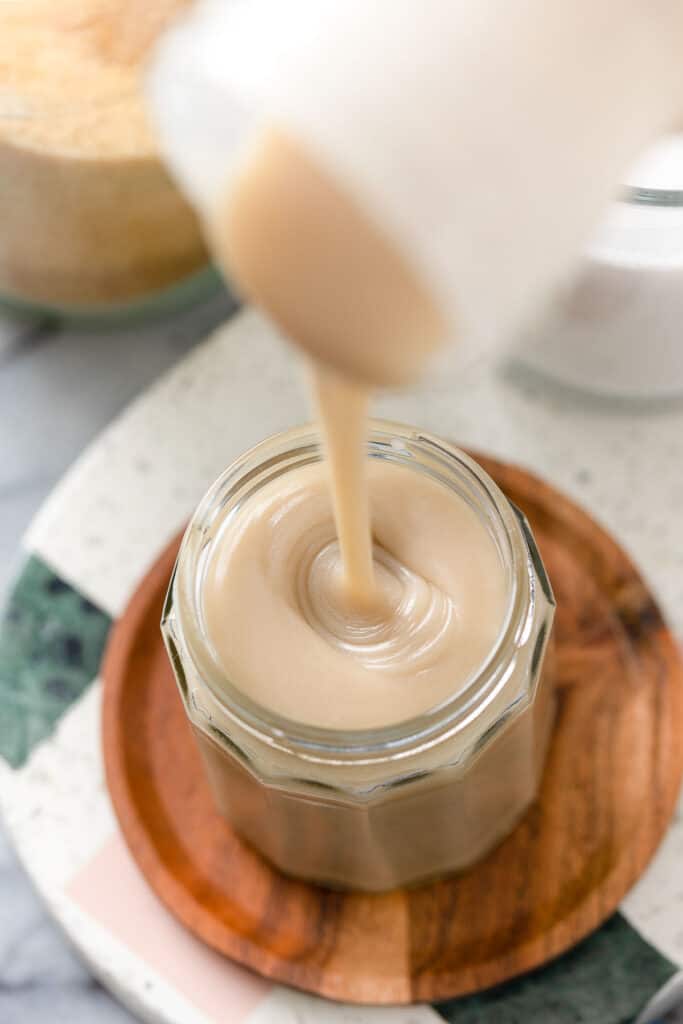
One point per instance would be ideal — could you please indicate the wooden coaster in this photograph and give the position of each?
(609, 790)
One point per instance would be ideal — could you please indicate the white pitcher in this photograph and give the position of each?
(485, 138)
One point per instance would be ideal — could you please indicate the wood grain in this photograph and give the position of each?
(609, 790)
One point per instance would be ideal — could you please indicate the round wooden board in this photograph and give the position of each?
(609, 790)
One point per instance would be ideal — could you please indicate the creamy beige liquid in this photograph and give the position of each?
(302, 249)
(278, 615)
(366, 594)
(342, 409)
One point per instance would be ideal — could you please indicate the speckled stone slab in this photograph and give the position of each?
(108, 520)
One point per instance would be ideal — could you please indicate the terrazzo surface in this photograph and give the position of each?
(59, 386)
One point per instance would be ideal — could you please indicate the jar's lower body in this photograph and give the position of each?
(401, 835)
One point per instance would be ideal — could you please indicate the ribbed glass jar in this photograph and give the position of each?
(373, 809)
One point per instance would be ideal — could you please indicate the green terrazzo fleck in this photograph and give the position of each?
(607, 979)
(51, 644)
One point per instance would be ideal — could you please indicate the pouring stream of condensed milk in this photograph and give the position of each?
(341, 285)
(379, 177)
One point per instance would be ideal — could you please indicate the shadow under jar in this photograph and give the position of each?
(375, 808)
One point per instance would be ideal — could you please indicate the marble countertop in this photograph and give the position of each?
(59, 385)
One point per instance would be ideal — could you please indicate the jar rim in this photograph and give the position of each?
(396, 442)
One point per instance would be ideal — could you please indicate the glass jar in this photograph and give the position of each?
(373, 809)
(616, 331)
